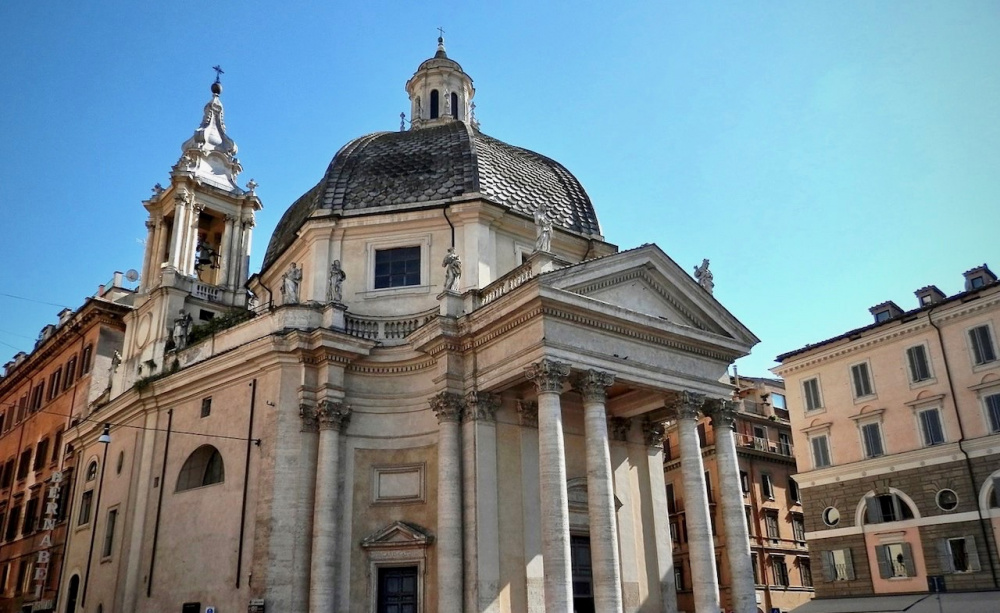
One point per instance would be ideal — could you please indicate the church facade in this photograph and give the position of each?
(444, 391)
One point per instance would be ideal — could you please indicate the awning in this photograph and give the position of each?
(965, 602)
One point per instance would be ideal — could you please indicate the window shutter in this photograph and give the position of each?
(849, 561)
(874, 510)
(944, 556)
(884, 563)
(972, 553)
(829, 573)
(911, 570)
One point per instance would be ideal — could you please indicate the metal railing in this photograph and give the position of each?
(764, 444)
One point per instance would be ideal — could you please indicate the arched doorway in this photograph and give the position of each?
(71, 594)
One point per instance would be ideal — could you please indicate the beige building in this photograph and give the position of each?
(445, 392)
(781, 568)
(39, 392)
(897, 430)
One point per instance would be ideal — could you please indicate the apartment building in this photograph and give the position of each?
(765, 453)
(67, 370)
(897, 431)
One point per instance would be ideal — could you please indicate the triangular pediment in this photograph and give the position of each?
(398, 534)
(645, 280)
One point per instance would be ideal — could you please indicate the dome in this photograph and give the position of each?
(433, 165)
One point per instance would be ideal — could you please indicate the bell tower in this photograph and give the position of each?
(197, 247)
(440, 91)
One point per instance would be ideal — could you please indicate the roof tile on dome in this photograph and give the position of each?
(438, 163)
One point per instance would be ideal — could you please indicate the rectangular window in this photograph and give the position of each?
(838, 565)
(767, 488)
(756, 568)
(784, 444)
(4, 575)
(37, 395)
(399, 267)
(13, 522)
(793, 491)
(702, 436)
(749, 515)
(771, 523)
(41, 454)
(806, 571)
(23, 577)
(56, 445)
(679, 577)
(872, 436)
(70, 373)
(667, 453)
(86, 501)
(671, 501)
(820, 451)
(745, 481)
(920, 369)
(930, 427)
(109, 533)
(959, 555)
(862, 380)
(24, 464)
(895, 561)
(799, 527)
(30, 516)
(54, 383)
(993, 411)
(708, 487)
(206, 406)
(780, 570)
(778, 401)
(88, 354)
(810, 389)
(982, 345)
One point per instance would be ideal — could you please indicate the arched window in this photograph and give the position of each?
(203, 467)
(435, 103)
(454, 105)
(92, 471)
(74, 590)
(886, 508)
(88, 354)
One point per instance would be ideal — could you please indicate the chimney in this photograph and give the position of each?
(885, 311)
(980, 276)
(929, 295)
(64, 315)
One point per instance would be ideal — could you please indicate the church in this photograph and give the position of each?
(444, 391)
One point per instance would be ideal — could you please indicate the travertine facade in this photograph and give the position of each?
(390, 444)
(897, 429)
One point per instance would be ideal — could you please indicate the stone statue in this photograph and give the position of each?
(116, 360)
(543, 226)
(290, 285)
(452, 265)
(182, 327)
(335, 290)
(447, 104)
(704, 276)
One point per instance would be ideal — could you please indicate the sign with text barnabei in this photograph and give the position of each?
(48, 525)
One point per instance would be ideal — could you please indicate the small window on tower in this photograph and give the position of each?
(435, 103)
(454, 105)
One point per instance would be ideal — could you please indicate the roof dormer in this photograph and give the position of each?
(980, 276)
(885, 311)
(929, 295)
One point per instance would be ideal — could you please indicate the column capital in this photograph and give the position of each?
(652, 432)
(527, 413)
(150, 224)
(481, 406)
(722, 412)
(618, 427)
(593, 384)
(333, 415)
(687, 404)
(447, 406)
(548, 375)
(308, 415)
(182, 199)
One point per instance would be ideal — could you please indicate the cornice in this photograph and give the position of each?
(396, 368)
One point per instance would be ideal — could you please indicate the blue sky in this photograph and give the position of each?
(824, 156)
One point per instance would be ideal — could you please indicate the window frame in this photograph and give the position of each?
(869, 379)
(907, 358)
(804, 388)
(918, 414)
(812, 450)
(108, 538)
(976, 366)
(881, 438)
(397, 256)
(767, 485)
(423, 241)
(994, 393)
(771, 520)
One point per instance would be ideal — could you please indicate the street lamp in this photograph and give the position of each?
(104, 439)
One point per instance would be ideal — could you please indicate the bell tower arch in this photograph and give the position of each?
(440, 91)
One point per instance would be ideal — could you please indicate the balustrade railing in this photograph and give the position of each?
(386, 329)
(763, 444)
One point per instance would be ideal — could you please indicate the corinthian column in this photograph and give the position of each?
(549, 377)
(723, 414)
(448, 408)
(592, 386)
(653, 433)
(481, 501)
(699, 526)
(332, 418)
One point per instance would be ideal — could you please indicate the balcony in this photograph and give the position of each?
(762, 444)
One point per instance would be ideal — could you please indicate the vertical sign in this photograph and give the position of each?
(48, 525)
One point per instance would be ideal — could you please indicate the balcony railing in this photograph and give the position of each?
(389, 330)
(752, 406)
(764, 444)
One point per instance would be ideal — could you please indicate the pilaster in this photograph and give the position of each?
(534, 569)
(480, 497)
(653, 436)
(448, 408)
(331, 417)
